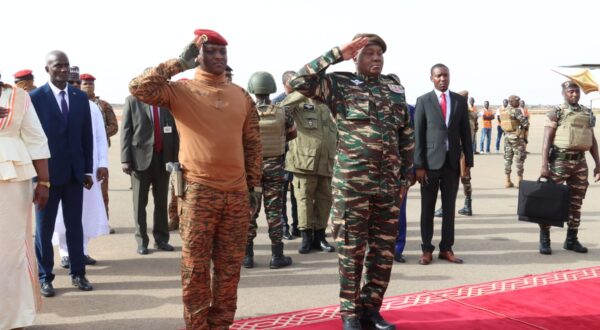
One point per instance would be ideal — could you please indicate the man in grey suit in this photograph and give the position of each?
(149, 140)
(442, 132)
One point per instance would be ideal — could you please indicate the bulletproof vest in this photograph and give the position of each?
(272, 129)
(508, 121)
(575, 128)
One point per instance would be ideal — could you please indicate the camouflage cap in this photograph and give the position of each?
(373, 39)
(569, 84)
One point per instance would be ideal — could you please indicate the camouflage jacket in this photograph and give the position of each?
(108, 114)
(517, 114)
(375, 141)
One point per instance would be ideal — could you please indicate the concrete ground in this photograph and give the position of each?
(144, 292)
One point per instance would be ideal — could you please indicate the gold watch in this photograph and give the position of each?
(44, 183)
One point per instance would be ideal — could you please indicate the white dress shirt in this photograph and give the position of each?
(448, 107)
(56, 91)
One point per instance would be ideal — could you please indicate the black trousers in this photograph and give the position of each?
(446, 179)
(157, 176)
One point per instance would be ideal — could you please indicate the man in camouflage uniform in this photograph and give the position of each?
(568, 134)
(499, 130)
(514, 124)
(88, 85)
(276, 127)
(310, 159)
(465, 177)
(220, 152)
(24, 80)
(372, 169)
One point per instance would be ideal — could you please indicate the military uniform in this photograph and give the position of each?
(275, 125)
(513, 123)
(310, 158)
(373, 160)
(574, 136)
(24, 80)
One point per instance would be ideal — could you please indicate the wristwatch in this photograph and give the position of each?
(256, 189)
(44, 183)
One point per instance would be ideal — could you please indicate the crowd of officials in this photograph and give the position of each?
(347, 147)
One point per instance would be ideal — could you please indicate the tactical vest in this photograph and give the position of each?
(508, 122)
(575, 129)
(272, 130)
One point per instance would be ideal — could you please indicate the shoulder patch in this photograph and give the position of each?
(396, 88)
(308, 106)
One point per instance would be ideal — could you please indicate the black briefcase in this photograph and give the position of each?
(544, 202)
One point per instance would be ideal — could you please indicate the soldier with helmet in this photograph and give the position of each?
(310, 158)
(514, 124)
(568, 134)
(276, 127)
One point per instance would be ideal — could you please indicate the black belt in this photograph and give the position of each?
(570, 156)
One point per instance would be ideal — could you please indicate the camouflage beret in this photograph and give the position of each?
(569, 84)
(373, 39)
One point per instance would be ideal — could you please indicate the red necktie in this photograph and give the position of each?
(157, 134)
(443, 106)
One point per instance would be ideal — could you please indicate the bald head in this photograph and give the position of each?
(57, 66)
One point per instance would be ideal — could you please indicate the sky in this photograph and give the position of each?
(493, 48)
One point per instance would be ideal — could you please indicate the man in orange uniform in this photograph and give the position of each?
(487, 116)
(221, 155)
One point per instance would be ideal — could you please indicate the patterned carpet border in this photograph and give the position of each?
(316, 315)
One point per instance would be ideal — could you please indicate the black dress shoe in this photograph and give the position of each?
(81, 283)
(47, 290)
(65, 262)
(351, 323)
(142, 250)
(373, 320)
(89, 260)
(398, 257)
(163, 246)
(111, 230)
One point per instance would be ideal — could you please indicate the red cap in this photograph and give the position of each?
(87, 76)
(213, 37)
(22, 73)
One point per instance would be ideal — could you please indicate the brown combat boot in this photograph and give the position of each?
(519, 179)
(507, 182)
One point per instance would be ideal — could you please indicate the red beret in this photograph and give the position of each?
(22, 73)
(87, 76)
(213, 37)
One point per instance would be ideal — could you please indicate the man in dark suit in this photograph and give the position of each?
(442, 132)
(149, 140)
(64, 113)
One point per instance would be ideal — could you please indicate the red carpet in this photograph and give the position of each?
(567, 299)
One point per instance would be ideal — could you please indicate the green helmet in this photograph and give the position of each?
(261, 82)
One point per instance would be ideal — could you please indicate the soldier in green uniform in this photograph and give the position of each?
(372, 169)
(514, 124)
(276, 127)
(310, 159)
(568, 134)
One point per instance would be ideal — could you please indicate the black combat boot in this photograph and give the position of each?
(572, 243)
(307, 239)
(320, 243)
(371, 319)
(466, 210)
(438, 213)
(278, 260)
(351, 323)
(545, 241)
(249, 258)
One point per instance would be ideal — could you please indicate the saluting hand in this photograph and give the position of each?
(351, 49)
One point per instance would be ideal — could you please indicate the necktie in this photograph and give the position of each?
(64, 107)
(443, 106)
(157, 134)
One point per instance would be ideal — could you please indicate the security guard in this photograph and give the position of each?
(514, 124)
(310, 157)
(276, 127)
(568, 134)
(24, 80)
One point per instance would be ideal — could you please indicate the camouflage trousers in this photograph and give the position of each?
(575, 174)
(313, 195)
(365, 229)
(514, 147)
(173, 213)
(272, 196)
(467, 187)
(213, 227)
